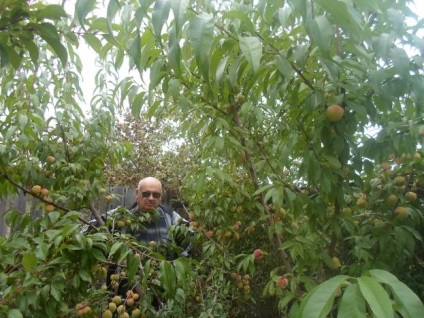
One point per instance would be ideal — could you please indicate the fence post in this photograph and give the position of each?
(3, 226)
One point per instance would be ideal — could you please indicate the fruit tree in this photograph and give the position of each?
(305, 123)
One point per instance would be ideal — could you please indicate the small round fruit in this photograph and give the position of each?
(335, 263)
(102, 191)
(86, 310)
(385, 166)
(120, 223)
(258, 253)
(51, 159)
(109, 198)
(410, 196)
(112, 306)
(135, 296)
(392, 200)
(49, 208)
(136, 313)
(107, 314)
(209, 234)
(36, 189)
(399, 180)
(120, 309)
(117, 299)
(334, 113)
(130, 301)
(361, 203)
(401, 212)
(153, 244)
(421, 130)
(282, 282)
(44, 192)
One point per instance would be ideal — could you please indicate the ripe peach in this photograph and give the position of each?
(334, 113)
(36, 189)
(48, 208)
(258, 253)
(282, 282)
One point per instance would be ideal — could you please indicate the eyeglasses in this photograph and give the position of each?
(147, 194)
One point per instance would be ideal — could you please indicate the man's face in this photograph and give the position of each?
(149, 195)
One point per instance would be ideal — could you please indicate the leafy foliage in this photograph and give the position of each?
(334, 206)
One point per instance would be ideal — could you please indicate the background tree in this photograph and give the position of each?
(156, 151)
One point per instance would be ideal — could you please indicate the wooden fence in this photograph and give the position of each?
(124, 196)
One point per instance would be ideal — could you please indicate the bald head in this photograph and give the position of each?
(148, 194)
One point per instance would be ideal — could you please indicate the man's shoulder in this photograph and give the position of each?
(167, 208)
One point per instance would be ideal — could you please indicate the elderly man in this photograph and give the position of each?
(147, 219)
(148, 199)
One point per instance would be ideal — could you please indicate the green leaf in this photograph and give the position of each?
(53, 11)
(49, 34)
(167, 277)
(181, 270)
(84, 275)
(29, 261)
(252, 49)
(179, 8)
(246, 22)
(56, 289)
(98, 255)
(409, 303)
(376, 297)
(32, 49)
(174, 54)
(400, 61)
(112, 8)
(132, 266)
(82, 8)
(344, 15)
(319, 300)
(322, 32)
(352, 304)
(115, 247)
(42, 250)
(14, 313)
(200, 37)
(160, 15)
(93, 41)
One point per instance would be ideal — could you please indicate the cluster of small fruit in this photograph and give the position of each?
(43, 193)
(114, 279)
(242, 282)
(229, 232)
(123, 307)
(82, 310)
